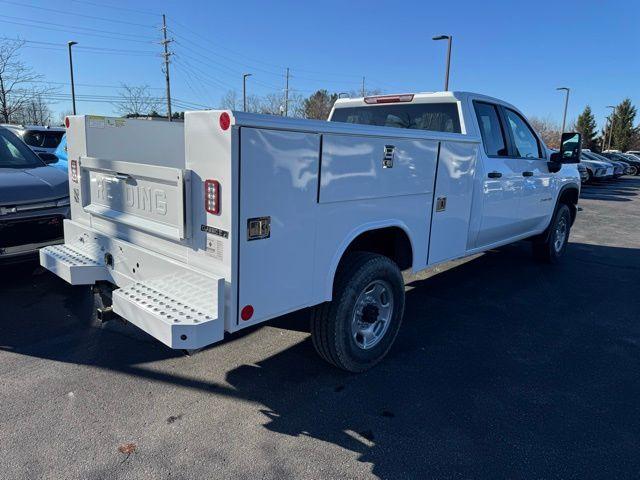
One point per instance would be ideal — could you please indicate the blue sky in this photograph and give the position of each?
(518, 51)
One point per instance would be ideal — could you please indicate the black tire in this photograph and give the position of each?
(331, 322)
(589, 177)
(548, 248)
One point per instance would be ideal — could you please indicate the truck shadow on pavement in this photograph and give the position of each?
(503, 368)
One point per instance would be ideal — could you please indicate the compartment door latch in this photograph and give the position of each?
(258, 228)
(389, 154)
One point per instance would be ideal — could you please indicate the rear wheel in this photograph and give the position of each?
(552, 245)
(357, 328)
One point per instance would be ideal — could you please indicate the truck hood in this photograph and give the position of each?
(31, 185)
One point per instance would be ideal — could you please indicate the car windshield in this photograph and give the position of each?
(439, 117)
(42, 138)
(15, 154)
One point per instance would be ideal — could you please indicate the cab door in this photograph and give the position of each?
(536, 205)
(501, 180)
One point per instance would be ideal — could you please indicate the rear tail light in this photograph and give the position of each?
(74, 170)
(212, 196)
(407, 97)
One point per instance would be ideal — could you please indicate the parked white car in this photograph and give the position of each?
(240, 218)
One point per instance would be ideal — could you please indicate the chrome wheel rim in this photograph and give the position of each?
(372, 314)
(560, 234)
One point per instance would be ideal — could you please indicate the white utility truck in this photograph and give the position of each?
(192, 230)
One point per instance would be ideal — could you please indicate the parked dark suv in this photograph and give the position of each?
(34, 199)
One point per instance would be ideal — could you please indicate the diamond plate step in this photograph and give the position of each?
(77, 264)
(181, 310)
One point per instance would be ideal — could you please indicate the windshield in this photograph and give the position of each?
(15, 154)
(42, 138)
(439, 117)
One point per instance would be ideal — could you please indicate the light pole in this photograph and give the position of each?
(446, 76)
(613, 117)
(566, 104)
(73, 89)
(244, 90)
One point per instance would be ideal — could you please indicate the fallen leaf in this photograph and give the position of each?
(127, 448)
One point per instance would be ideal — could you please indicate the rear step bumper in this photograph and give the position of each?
(164, 315)
(181, 307)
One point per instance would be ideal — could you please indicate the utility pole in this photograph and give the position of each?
(73, 88)
(166, 55)
(363, 90)
(286, 95)
(244, 90)
(566, 103)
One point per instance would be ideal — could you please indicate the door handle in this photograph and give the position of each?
(494, 175)
(527, 174)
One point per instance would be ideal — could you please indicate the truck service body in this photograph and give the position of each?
(233, 218)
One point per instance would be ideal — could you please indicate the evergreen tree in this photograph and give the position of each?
(318, 105)
(586, 125)
(623, 132)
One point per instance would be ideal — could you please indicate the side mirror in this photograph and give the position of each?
(47, 157)
(570, 149)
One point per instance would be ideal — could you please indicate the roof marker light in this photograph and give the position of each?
(225, 120)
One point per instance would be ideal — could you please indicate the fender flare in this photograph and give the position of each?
(327, 289)
(569, 186)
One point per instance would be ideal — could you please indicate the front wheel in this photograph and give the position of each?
(552, 245)
(357, 328)
(633, 170)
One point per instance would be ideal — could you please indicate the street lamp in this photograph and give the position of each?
(566, 103)
(446, 77)
(244, 90)
(73, 90)
(613, 117)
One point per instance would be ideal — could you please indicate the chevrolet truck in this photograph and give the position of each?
(190, 231)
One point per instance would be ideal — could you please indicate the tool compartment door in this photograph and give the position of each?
(144, 197)
(278, 187)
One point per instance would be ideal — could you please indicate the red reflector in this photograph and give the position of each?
(74, 170)
(225, 121)
(247, 312)
(66, 122)
(212, 196)
(408, 97)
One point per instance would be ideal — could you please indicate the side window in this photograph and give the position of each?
(525, 141)
(491, 130)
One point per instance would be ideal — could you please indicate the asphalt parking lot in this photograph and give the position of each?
(504, 368)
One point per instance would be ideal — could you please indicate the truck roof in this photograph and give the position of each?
(418, 97)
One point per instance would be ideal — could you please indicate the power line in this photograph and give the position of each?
(113, 7)
(104, 19)
(75, 32)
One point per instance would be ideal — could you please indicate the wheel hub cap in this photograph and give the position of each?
(372, 314)
(560, 234)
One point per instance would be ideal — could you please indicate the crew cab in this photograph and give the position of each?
(190, 231)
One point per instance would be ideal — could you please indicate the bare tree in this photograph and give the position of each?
(548, 130)
(230, 101)
(18, 83)
(36, 111)
(136, 101)
(61, 116)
